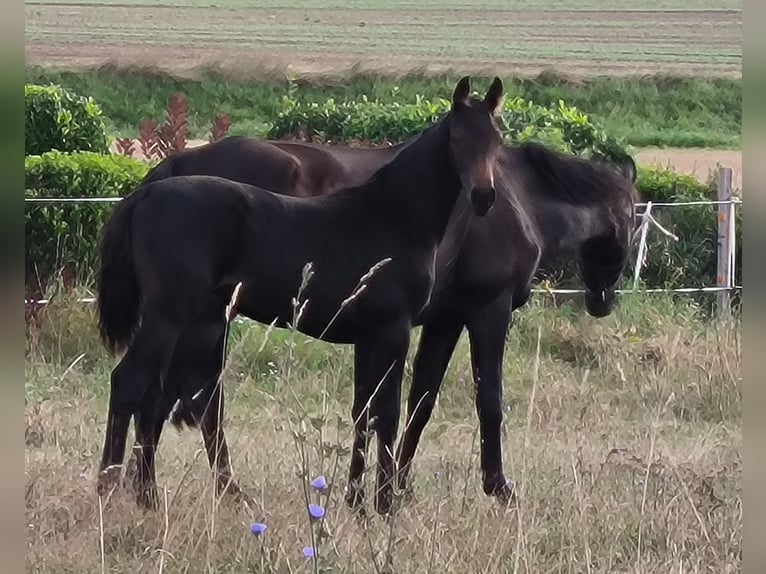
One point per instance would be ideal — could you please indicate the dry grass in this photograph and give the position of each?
(628, 458)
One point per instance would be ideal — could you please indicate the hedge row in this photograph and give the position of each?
(58, 235)
(691, 261)
(563, 127)
(57, 119)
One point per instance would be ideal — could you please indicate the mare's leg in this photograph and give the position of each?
(487, 328)
(141, 367)
(437, 342)
(379, 367)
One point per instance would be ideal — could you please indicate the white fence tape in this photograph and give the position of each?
(116, 199)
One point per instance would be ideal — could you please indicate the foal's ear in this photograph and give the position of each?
(461, 93)
(494, 95)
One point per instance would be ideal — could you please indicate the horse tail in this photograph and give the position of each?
(119, 298)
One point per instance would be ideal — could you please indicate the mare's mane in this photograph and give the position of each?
(570, 178)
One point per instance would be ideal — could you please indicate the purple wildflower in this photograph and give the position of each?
(509, 483)
(308, 552)
(319, 483)
(316, 512)
(258, 528)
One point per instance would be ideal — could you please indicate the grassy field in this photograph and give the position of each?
(623, 435)
(667, 74)
(652, 111)
(663, 36)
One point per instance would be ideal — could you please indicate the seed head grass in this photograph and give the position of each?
(622, 436)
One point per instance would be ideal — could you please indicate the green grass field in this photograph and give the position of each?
(666, 74)
(674, 112)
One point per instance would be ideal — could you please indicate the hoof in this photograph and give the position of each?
(131, 470)
(501, 489)
(228, 489)
(147, 498)
(384, 501)
(108, 479)
(355, 499)
(506, 494)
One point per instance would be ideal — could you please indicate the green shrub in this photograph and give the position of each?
(562, 127)
(57, 119)
(692, 260)
(67, 234)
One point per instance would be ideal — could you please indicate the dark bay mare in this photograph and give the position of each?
(175, 249)
(550, 205)
(299, 169)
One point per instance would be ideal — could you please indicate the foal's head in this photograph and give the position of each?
(475, 141)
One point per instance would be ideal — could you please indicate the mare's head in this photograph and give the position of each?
(585, 207)
(603, 257)
(475, 141)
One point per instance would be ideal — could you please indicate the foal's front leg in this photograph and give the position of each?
(379, 367)
(487, 328)
(437, 343)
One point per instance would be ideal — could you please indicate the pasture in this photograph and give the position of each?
(701, 37)
(623, 434)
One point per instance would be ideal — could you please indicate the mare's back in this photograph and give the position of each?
(332, 167)
(247, 160)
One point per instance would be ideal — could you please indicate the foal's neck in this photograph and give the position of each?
(421, 187)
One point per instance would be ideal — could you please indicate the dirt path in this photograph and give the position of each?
(697, 162)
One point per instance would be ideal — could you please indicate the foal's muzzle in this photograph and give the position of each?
(482, 199)
(600, 303)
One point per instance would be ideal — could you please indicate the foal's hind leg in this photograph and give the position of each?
(216, 447)
(194, 373)
(141, 367)
(487, 328)
(437, 342)
(148, 425)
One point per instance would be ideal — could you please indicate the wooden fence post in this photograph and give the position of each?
(726, 222)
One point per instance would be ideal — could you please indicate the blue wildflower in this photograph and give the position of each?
(258, 528)
(316, 512)
(319, 483)
(308, 552)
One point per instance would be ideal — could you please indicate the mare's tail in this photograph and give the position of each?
(119, 298)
